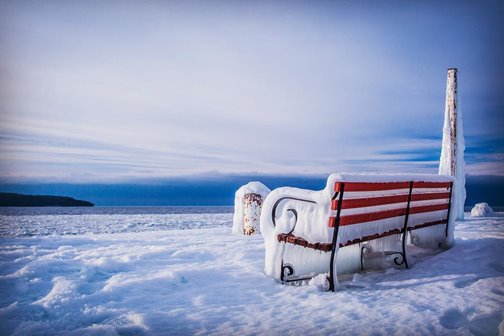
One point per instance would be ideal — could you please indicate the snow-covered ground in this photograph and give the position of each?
(207, 281)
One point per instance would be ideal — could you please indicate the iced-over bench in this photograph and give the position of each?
(330, 231)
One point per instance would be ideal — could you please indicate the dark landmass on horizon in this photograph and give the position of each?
(218, 191)
(20, 200)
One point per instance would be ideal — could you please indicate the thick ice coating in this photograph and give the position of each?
(305, 213)
(452, 151)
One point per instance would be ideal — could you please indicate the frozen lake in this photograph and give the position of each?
(37, 221)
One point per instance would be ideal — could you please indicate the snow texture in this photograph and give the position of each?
(305, 213)
(207, 282)
(448, 147)
(241, 213)
(482, 210)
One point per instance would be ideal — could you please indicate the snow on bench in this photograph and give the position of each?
(331, 231)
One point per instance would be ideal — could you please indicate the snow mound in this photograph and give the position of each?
(482, 210)
(63, 291)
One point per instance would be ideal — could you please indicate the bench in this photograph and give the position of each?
(308, 233)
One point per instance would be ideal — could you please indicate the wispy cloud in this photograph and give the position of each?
(124, 91)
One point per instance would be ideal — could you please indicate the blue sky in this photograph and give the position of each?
(135, 92)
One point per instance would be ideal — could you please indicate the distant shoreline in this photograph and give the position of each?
(21, 200)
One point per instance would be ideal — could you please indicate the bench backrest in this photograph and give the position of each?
(370, 210)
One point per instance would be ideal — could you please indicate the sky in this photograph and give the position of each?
(132, 92)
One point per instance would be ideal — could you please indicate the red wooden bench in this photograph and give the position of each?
(362, 212)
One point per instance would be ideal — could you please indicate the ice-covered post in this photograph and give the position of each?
(252, 205)
(452, 152)
(248, 204)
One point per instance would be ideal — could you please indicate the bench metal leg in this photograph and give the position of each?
(402, 259)
(333, 274)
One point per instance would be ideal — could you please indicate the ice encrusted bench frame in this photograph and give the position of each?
(357, 200)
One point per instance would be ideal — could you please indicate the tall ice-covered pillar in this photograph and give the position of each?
(452, 152)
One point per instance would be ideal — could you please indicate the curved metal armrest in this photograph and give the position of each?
(294, 211)
(273, 210)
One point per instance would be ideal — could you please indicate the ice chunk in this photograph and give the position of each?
(482, 210)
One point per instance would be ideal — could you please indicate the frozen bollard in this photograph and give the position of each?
(252, 205)
(248, 204)
(452, 161)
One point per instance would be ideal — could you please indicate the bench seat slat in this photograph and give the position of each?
(326, 247)
(420, 226)
(371, 237)
(290, 238)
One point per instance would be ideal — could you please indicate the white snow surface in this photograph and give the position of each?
(239, 212)
(208, 282)
(482, 210)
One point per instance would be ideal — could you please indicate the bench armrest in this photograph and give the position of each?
(295, 211)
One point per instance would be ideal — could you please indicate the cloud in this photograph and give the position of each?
(123, 91)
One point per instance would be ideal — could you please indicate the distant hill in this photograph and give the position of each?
(19, 200)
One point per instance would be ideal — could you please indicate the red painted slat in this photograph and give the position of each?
(371, 216)
(371, 186)
(337, 186)
(370, 201)
(373, 201)
(429, 208)
(423, 184)
(430, 196)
